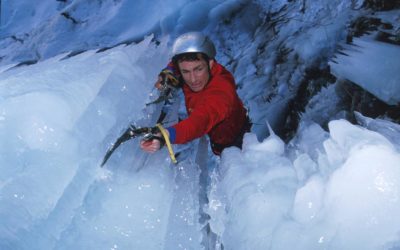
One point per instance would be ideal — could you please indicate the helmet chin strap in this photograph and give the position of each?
(209, 69)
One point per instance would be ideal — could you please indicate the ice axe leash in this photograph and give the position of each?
(164, 133)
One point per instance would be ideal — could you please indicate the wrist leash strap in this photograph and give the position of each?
(167, 142)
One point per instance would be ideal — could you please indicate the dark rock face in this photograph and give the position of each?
(382, 5)
(354, 98)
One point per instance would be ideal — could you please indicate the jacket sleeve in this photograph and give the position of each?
(214, 108)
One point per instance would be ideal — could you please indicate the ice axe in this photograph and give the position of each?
(149, 133)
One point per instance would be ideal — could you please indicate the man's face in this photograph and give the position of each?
(195, 73)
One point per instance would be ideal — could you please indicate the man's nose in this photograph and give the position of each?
(192, 77)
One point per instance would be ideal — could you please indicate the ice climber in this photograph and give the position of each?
(211, 101)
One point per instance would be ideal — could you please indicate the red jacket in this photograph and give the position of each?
(216, 110)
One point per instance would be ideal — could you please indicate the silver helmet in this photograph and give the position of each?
(193, 42)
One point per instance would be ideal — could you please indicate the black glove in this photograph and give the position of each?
(168, 78)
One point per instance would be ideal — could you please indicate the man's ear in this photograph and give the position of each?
(211, 63)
